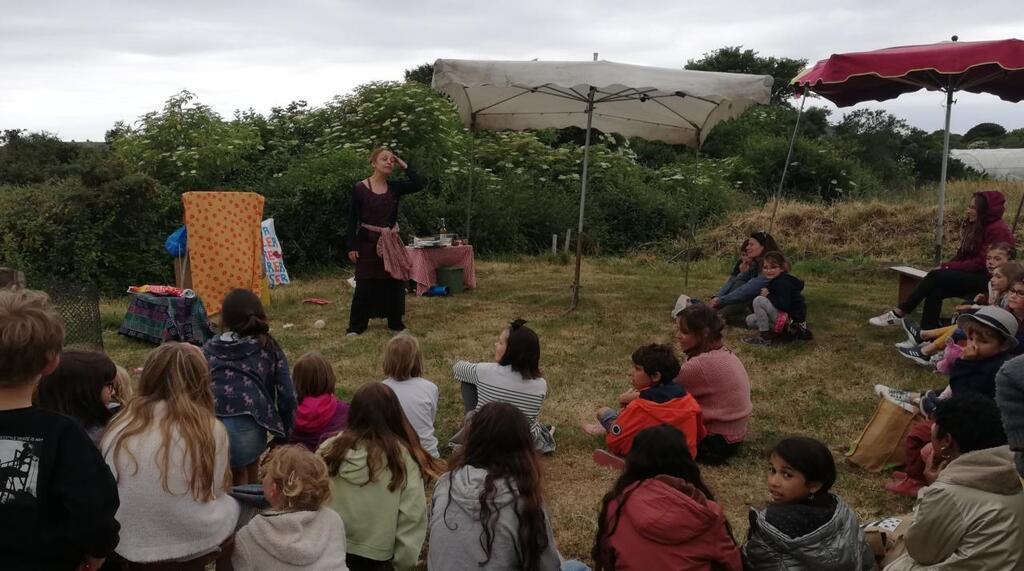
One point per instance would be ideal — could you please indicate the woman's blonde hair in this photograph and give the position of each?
(177, 375)
(123, 386)
(376, 152)
(313, 376)
(300, 475)
(402, 357)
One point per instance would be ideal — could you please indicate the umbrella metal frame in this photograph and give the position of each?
(592, 98)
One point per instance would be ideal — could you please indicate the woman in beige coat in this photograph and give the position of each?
(972, 517)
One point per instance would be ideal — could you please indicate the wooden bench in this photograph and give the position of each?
(908, 278)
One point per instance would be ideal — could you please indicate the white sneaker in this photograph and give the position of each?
(903, 398)
(886, 319)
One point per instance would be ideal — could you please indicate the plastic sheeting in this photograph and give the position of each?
(1000, 164)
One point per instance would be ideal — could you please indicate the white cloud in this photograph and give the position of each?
(74, 68)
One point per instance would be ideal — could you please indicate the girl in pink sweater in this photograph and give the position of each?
(717, 380)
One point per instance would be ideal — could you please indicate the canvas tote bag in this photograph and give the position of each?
(881, 442)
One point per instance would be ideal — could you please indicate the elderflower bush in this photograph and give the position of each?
(186, 145)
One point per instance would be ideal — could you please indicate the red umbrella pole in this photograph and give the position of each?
(939, 223)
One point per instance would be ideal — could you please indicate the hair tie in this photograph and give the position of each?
(516, 324)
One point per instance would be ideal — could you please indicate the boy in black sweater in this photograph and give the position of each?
(57, 496)
(782, 299)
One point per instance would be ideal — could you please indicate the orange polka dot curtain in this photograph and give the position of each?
(224, 245)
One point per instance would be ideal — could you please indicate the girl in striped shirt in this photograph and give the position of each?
(514, 379)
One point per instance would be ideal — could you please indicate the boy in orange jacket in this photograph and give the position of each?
(654, 399)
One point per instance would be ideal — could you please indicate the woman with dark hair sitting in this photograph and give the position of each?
(716, 378)
(972, 517)
(660, 514)
(488, 510)
(745, 282)
(514, 378)
(966, 274)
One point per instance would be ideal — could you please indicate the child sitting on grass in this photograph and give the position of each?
(805, 526)
(379, 468)
(297, 532)
(781, 301)
(514, 378)
(660, 514)
(403, 365)
(653, 399)
(252, 386)
(922, 345)
(320, 414)
(991, 335)
(57, 497)
(494, 490)
(81, 388)
(169, 454)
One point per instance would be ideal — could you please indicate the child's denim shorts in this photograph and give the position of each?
(247, 439)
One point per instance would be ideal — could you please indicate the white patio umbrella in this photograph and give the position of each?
(679, 107)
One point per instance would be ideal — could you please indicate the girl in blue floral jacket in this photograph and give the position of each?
(252, 387)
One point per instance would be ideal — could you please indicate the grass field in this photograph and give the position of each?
(821, 389)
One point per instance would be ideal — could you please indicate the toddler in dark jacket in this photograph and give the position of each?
(781, 306)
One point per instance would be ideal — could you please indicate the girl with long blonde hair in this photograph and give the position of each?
(169, 454)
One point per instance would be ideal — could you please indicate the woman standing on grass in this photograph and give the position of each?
(374, 246)
(965, 275)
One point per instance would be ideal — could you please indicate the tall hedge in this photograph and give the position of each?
(111, 235)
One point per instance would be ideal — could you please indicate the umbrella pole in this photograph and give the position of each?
(472, 176)
(939, 223)
(583, 202)
(789, 156)
(1016, 219)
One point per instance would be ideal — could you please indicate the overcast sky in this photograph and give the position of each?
(73, 68)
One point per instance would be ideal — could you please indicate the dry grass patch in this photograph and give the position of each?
(822, 389)
(896, 231)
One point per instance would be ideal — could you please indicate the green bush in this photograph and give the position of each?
(111, 235)
(310, 206)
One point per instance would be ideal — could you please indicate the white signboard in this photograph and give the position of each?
(273, 257)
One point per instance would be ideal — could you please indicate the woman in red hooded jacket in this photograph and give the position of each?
(660, 515)
(965, 275)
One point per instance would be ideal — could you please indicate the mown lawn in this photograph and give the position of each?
(821, 389)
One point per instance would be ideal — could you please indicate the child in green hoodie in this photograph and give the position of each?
(379, 468)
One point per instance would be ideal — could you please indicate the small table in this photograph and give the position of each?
(425, 262)
(156, 319)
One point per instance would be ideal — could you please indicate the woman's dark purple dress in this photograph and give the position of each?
(377, 293)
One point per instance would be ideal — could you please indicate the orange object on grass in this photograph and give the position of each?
(225, 247)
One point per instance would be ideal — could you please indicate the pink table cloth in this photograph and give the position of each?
(425, 262)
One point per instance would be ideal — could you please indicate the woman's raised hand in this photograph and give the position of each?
(400, 162)
(353, 256)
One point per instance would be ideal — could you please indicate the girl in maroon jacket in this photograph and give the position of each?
(964, 275)
(660, 515)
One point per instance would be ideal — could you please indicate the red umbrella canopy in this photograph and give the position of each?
(995, 67)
